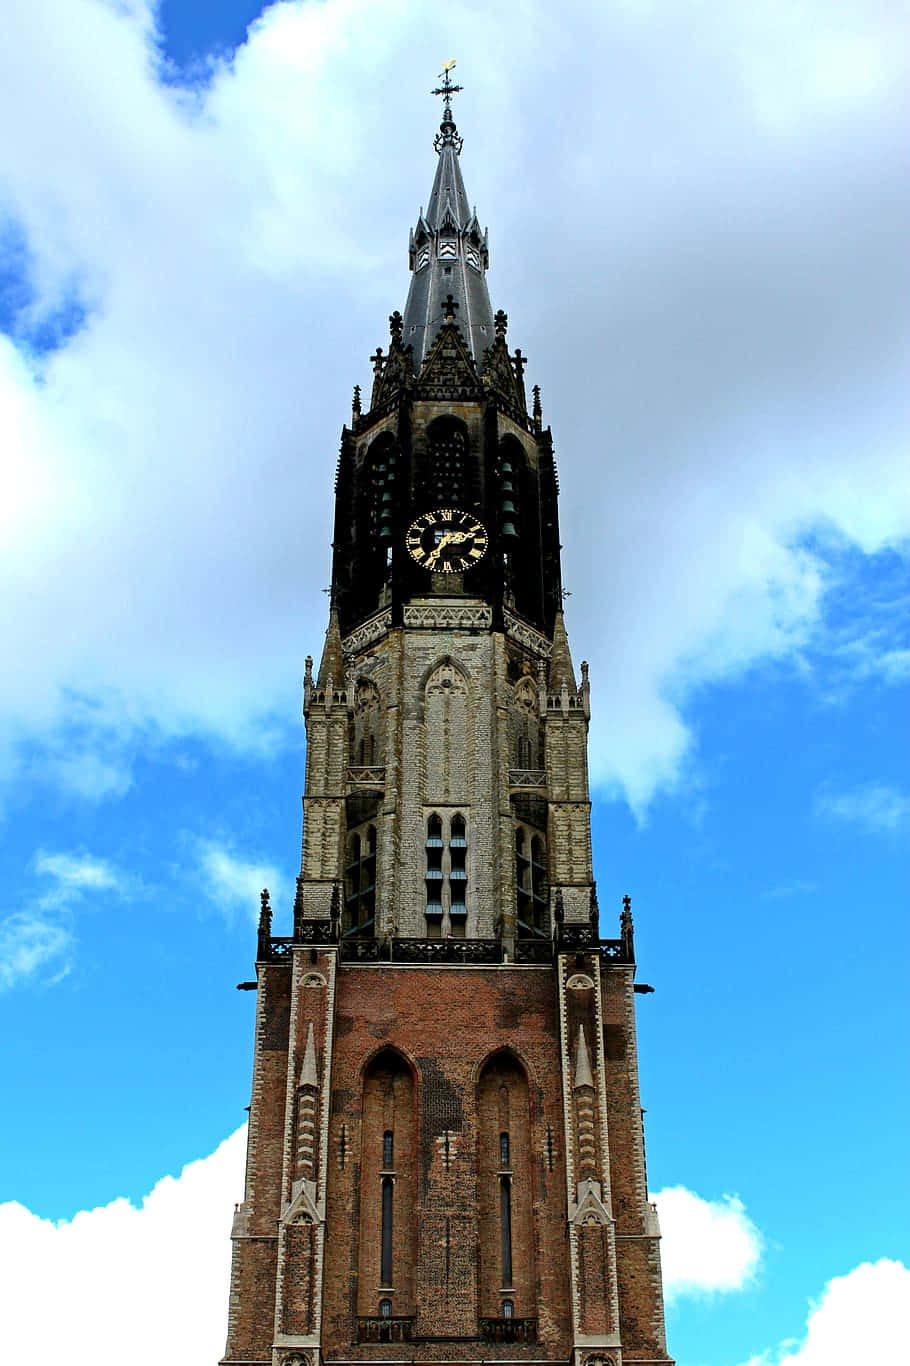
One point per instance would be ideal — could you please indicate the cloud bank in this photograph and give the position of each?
(155, 1277)
(861, 1316)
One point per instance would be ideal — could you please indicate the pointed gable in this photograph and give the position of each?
(449, 371)
(498, 376)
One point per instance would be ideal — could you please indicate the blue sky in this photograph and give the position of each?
(698, 218)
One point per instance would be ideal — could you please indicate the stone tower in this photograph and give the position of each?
(446, 1159)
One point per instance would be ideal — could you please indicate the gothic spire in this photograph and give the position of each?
(331, 666)
(448, 252)
(561, 671)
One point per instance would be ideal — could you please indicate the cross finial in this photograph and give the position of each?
(447, 135)
(447, 89)
(449, 305)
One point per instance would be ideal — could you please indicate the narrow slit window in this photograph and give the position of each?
(505, 1228)
(434, 877)
(388, 1150)
(504, 1156)
(385, 1272)
(458, 875)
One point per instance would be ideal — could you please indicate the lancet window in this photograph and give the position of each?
(387, 1231)
(531, 883)
(505, 1190)
(525, 726)
(382, 464)
(366, 739)
(446, 876)
(360, 883)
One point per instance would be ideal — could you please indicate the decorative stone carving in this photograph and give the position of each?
(447, 678)
(449, 617)
(371, 630)
(526, 635)
(580, 982)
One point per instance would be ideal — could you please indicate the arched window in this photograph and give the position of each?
(434, 877)
(505, 1197)
(366, 738)
(446, 736)
(382, 475)
(447, 460)
(360, 883)
(458, 876)
(387, 1237)
(531, 884)
(446, 876)
(511, 465)
(525, 726)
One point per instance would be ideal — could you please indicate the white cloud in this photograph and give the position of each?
(33, 944)
(721, 264)
(235, 882)
(78, 871)
(39, 942)
(876, 807)
(164, 1265)
(707, 1245)
(863, 1316)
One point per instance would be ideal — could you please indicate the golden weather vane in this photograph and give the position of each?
(447, 89)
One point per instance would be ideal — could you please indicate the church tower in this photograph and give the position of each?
(446, 1158)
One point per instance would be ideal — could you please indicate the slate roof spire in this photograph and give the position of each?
(448, 252)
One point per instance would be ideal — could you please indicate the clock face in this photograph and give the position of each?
(447, 540)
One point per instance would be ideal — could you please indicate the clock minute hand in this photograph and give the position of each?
(445, 540)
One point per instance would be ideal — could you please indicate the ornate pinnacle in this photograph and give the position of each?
(395, 324)
(519, 362)
(537, 411)
(626, 929)
(500, 322)
(378, 361)
(264, 937)
(355, 406)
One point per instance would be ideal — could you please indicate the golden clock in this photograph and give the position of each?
(447, 540)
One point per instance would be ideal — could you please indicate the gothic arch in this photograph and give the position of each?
(447, 464)
(387, 1243)
(505, 1189)
(526, 746)
(447, 736)
(366, 747)
(381, 478)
